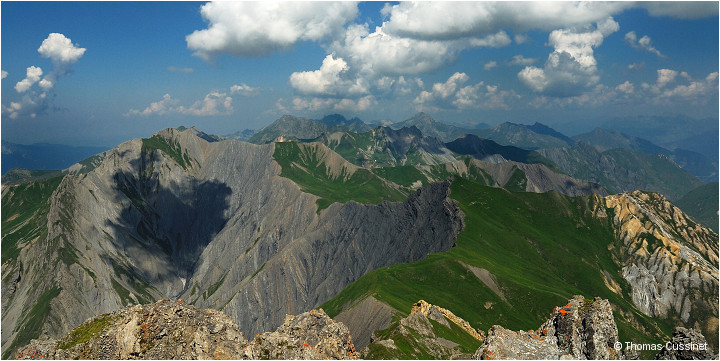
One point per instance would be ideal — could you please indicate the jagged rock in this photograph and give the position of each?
(420, 333)
(503, 344)
(309, 336)
(174, 330)
(440, 314)
(162, 330)
(686, 344)
(582, 329)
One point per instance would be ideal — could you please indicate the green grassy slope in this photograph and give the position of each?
(25, 209)
(541, 248)
(303, 165)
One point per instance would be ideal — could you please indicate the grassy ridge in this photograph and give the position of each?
(302, 165)
(541, 248)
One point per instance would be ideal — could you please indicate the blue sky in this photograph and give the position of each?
(92, 73)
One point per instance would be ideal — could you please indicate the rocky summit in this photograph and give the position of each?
(174, 330)
(582, 329)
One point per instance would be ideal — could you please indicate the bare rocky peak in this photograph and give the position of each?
(582, 329)
(174, 330)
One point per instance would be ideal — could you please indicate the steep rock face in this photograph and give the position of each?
(174, 330)
(582, 329)
(213, 223)
(670, 262)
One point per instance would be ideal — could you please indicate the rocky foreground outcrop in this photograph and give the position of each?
(174, 330)
(686, 344)
(582, 329)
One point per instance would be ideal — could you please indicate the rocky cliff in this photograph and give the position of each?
(670, 262)
(214, 223)
(583, 329)
(174, 330)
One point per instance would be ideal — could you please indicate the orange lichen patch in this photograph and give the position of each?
(305, 344)
(564, 312)
(180, 301)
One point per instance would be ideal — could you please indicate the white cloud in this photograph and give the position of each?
(694, 90)
(626, 87)
(4, 74)
(520, 38)
(449, 20)
(30, 105)
(260, 28)
(489, 65)
(521, 60)
(159, 107)
(33, 74)
(644, 43)
(329, 80)
(214, 103)
(243, 89)
(453, 95)
(637, 66)
(379, 53)
(60, 49)
(46, 84)
(180, 70)
(63, 53)
(571, 68)
(665, 76)
(330, 104)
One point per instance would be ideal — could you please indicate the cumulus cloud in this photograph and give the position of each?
(449, 20)
(243, 89)
(260, 28)
(332, 104)
(32, 76)
(4, 74)
(214, 103)
(453, 95)
(571, 68)
(644, 43)
(489, 65)
(626, 87)
(520, 38)
(694, 90)
(521, 60)
(379, 53)
(328, 80)
(60, 49)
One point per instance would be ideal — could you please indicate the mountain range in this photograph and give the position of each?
(332, 213)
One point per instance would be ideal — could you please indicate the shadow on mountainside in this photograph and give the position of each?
(167, 222)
